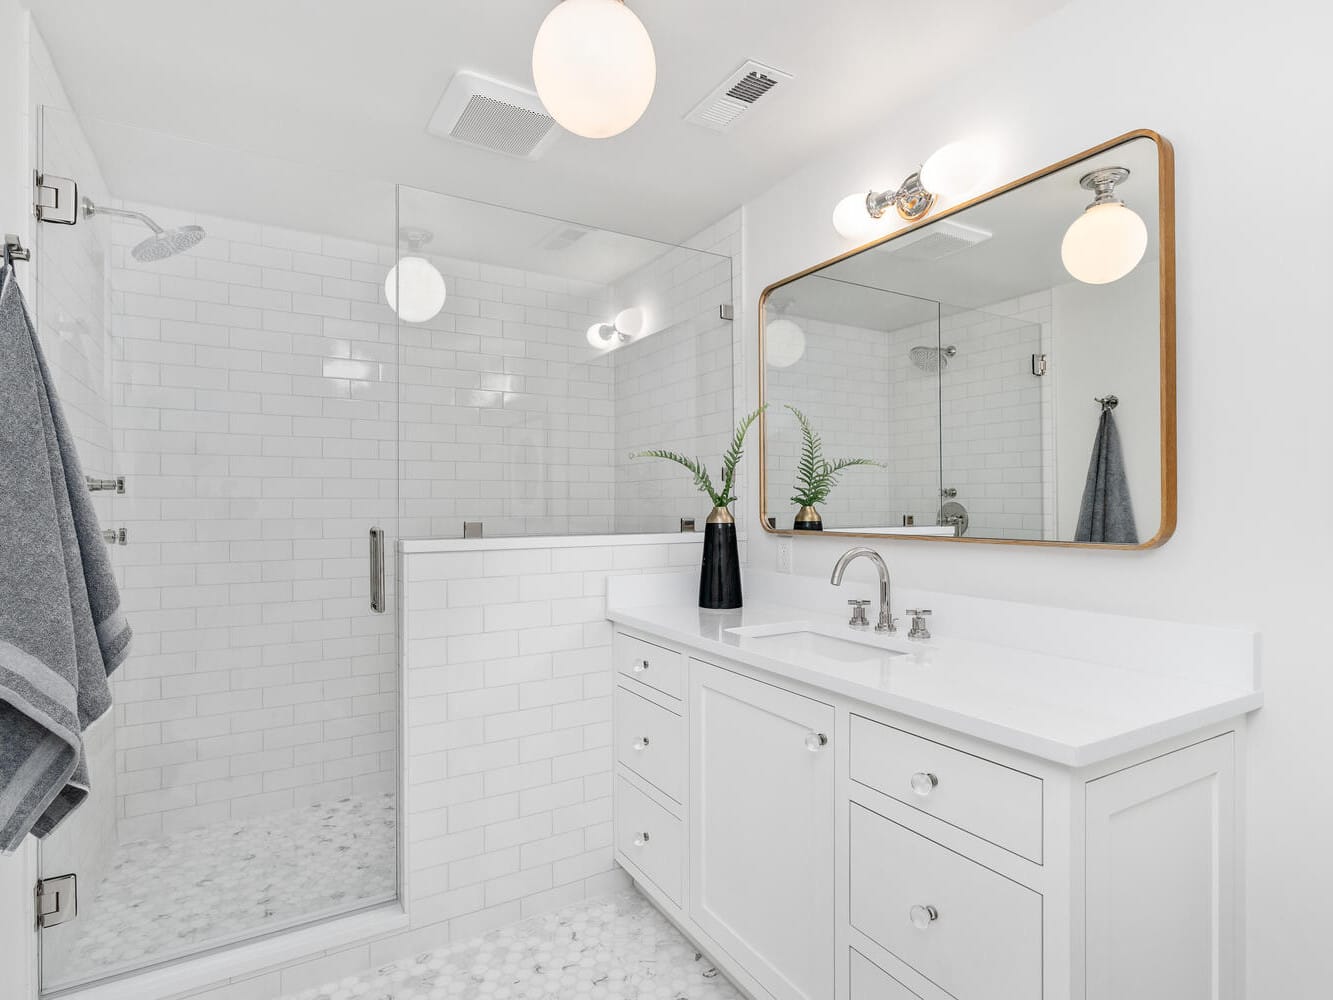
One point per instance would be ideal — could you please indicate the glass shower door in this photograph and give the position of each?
(246, 388)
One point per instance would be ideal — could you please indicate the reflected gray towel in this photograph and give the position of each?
(61, 628)
(1106, 514)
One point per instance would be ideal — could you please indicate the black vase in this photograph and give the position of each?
(720, 575)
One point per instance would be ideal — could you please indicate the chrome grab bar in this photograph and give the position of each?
(377, 570)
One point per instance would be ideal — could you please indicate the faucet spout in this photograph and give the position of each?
(886, 620)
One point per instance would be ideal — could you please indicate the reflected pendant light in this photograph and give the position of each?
(1108, 240)
(594, 67)
(784, 343)
(414, 288)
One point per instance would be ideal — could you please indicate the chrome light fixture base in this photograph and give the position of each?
(415, 237)
(1102, 184)
(911, 200)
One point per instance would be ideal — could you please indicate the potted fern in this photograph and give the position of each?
(816, 476)
(720, 574)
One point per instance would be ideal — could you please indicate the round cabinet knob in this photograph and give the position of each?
(640, 666)
(814, 742)
(923, 783)
(641, 840)
(641, 743)
(923, 916)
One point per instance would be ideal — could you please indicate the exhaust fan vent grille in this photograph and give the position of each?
(935, 242)
(493, 115)
(736, 95)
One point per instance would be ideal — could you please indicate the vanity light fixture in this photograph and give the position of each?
(414, 288)
(953, 170)
(628, 325)
(594, 67)
(1108, 240)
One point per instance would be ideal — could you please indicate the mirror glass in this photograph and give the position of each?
(965, 366)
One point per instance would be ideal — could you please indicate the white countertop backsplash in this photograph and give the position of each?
(1073, 687)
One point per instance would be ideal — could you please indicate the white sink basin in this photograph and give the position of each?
(818, 646)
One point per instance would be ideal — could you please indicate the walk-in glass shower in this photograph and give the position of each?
(269, 411)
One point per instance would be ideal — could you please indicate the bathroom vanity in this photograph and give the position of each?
(832, 813)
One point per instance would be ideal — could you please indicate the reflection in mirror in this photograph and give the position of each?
(968, 360)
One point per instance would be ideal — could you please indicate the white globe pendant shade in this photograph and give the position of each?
(594, 67)
(784, 343)
(854, 222)
(1104, 244)
(415, 290)
(954, 171)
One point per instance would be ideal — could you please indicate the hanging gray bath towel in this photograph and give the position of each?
(61, 628)
(1106, 514)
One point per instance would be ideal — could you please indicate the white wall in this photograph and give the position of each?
(1254, 351)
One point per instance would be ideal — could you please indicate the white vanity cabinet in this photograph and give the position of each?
(818, 847)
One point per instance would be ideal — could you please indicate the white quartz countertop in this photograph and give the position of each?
(1070, 711)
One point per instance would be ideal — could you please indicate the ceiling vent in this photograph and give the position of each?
(492, 115)
(563, 239)
(736, 95)
(935, 242)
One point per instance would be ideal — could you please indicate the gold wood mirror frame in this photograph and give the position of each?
(1165, 224)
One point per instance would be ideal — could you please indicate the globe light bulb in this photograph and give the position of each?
(1104, 244)
(594, 67)
(415, 290)
(630, 322)
(954, 171)
(784, 343)
(853, 222)
(602, 336)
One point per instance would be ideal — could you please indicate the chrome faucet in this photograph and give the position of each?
(886, 623)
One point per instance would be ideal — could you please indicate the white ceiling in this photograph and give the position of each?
(346, 89)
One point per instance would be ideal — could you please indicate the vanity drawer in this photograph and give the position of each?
(870, 982)
(990, 800)
(650, 837)
(650, 741)
(660, 668)
(981, 938)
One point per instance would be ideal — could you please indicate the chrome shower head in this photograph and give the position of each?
(167, 243)
(162, 244)
(932, 359)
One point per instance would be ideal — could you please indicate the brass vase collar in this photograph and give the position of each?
(721, 515)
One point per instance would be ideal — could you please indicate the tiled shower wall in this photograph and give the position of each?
(256, 418)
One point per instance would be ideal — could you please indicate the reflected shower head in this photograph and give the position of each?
(932, 359)
(162, 244)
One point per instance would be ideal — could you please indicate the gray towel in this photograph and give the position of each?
(61, 628)
(1106, 514)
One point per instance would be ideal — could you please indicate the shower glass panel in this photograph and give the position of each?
(863, 364)
(247, 388)
(558, 350)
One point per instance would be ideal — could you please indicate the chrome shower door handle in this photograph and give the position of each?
(377, 570)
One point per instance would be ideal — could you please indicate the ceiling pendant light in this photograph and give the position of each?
(1108, 240)
(414, 288)
(594, 67)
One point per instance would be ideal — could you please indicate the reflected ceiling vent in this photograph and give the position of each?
(492, 115)
(564, 238)
(935, 242)
(736, 95)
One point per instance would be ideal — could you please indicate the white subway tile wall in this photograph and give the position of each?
(256, 418)
(508, 687)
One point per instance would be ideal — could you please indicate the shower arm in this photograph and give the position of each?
(89, 210)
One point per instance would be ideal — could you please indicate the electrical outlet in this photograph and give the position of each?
(784, 555)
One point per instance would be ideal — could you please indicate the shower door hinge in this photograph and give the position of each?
(56, 199)
(727, 311)
(1038, 364)
(57, 900)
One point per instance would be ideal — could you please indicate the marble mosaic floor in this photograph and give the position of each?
(617, 948)
(173, 895)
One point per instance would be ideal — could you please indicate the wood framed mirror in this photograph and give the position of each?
(1001, 371)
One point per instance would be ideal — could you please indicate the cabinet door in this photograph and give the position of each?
(762, 829)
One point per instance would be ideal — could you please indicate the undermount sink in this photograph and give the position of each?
(814, 645)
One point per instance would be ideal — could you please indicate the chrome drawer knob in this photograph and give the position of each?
(814, 742)
(641, 840)
(641, 743)
(923, 916)
(640, 666)
(923, 783)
